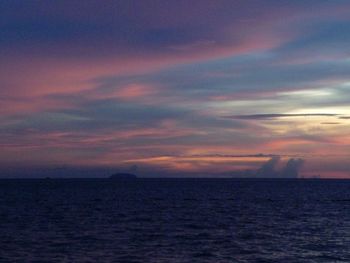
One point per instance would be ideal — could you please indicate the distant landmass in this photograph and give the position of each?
(123, 176)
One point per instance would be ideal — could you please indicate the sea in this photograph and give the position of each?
(174, 220)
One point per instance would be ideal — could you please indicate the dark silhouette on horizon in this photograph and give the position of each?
(123, 176)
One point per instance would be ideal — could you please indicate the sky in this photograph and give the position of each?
(200, 88)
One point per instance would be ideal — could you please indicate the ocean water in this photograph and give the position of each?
(174, 220)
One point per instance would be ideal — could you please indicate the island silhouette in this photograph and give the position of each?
(123, 176)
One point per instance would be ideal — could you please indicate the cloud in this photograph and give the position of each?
(270, 169)
(84, 83)
(330, 123)
(292, 167)
(278, 115)
(259, 155)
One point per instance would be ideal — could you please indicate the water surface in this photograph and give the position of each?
(174, 220)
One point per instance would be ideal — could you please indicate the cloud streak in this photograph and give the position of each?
(279, 115)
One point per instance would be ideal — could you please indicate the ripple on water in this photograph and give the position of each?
(175, 221)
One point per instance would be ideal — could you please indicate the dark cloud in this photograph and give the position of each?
(155, 26)
(270, 169)
(291, 170)
(89, 29)
(273, 168)
(330, 123)
(99, 114)
(44, 171)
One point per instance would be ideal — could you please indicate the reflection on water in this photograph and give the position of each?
(175, 220)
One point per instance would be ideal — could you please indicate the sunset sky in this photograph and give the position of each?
(175, 88)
